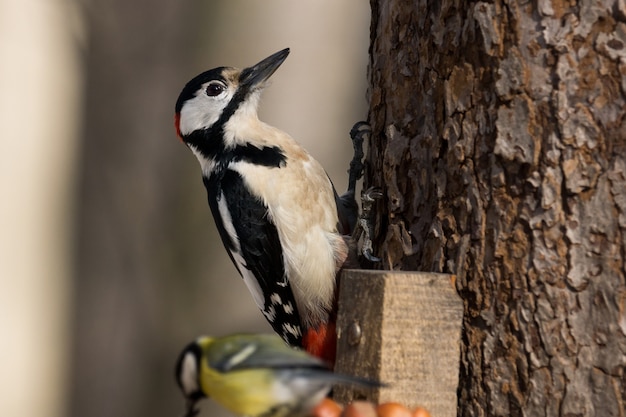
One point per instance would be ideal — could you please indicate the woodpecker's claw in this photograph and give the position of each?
(357, 134)
(366, 221)
(372, 194)
(367, 252)
(347, 207)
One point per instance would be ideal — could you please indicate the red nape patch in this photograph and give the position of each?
(177, 126)
(322, 342)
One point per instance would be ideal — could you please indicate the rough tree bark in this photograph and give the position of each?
(499, 139)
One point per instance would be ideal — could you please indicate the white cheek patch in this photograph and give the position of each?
(202, 111)
(189, 374)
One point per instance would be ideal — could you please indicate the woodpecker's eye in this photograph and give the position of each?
(215, 89)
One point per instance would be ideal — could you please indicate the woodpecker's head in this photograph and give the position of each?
(215, 95)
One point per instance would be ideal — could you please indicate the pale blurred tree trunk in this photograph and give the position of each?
(129, 295)
(40, 111)
(499, 140)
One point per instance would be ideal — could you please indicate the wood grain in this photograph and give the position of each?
(410, 328)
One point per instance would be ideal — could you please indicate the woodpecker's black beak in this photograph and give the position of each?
(257, 74)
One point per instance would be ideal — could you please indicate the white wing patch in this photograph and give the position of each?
(291, 329)
(248, 277)
(241, 356)
(275, 299)
(270, 313)
(288, 308)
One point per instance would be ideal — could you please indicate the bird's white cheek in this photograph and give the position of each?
(189, 374)
(194, 118)
(201, 112)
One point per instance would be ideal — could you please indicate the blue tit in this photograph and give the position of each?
(256, 375)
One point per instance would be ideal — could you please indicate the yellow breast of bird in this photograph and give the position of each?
(245, 392)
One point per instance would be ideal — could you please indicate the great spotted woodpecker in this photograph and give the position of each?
(277, 212)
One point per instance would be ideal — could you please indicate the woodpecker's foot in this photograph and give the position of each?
(358, 133)
(366, 221)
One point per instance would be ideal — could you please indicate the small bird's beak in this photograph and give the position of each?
(191, 410)
(257, 74)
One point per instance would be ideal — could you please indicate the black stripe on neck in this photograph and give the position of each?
(209, 142)
(272, 157)
(211, 146)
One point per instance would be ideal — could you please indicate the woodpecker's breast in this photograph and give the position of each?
(254, 246)
(300, 202)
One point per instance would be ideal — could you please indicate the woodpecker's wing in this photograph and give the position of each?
(244, 351)
(254, 247)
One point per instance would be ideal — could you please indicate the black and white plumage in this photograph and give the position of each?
(273, 204)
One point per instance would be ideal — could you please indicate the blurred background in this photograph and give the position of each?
(109, 259)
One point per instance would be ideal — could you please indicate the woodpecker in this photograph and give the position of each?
(256, 375)
(276, 210)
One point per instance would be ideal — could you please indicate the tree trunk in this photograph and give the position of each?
(498, 138)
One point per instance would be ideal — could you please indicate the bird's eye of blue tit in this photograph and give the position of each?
(215, 88)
